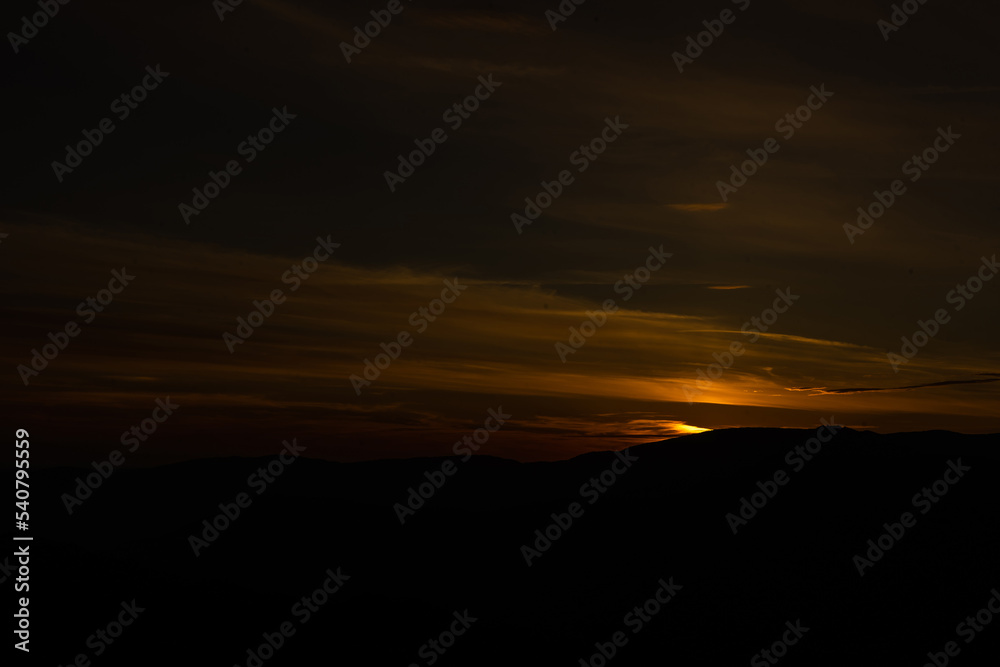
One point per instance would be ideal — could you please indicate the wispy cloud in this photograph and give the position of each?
(483, 22)
(698, 208)
(821, 391)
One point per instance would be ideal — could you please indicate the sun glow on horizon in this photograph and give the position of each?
(687, 429)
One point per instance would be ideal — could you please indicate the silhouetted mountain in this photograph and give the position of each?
(664, 518)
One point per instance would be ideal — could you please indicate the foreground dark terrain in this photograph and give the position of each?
(460, 556)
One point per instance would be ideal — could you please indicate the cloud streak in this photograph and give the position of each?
(821, 391)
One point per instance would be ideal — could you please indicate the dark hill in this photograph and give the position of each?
(663, 518)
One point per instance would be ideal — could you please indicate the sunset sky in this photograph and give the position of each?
(655, 185)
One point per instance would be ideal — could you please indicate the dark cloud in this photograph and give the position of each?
(819, 391)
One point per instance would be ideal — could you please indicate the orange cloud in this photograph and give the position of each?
(698, 208)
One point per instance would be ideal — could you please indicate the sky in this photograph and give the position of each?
(643, 203)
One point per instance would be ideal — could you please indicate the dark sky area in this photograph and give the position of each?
(636, 379)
